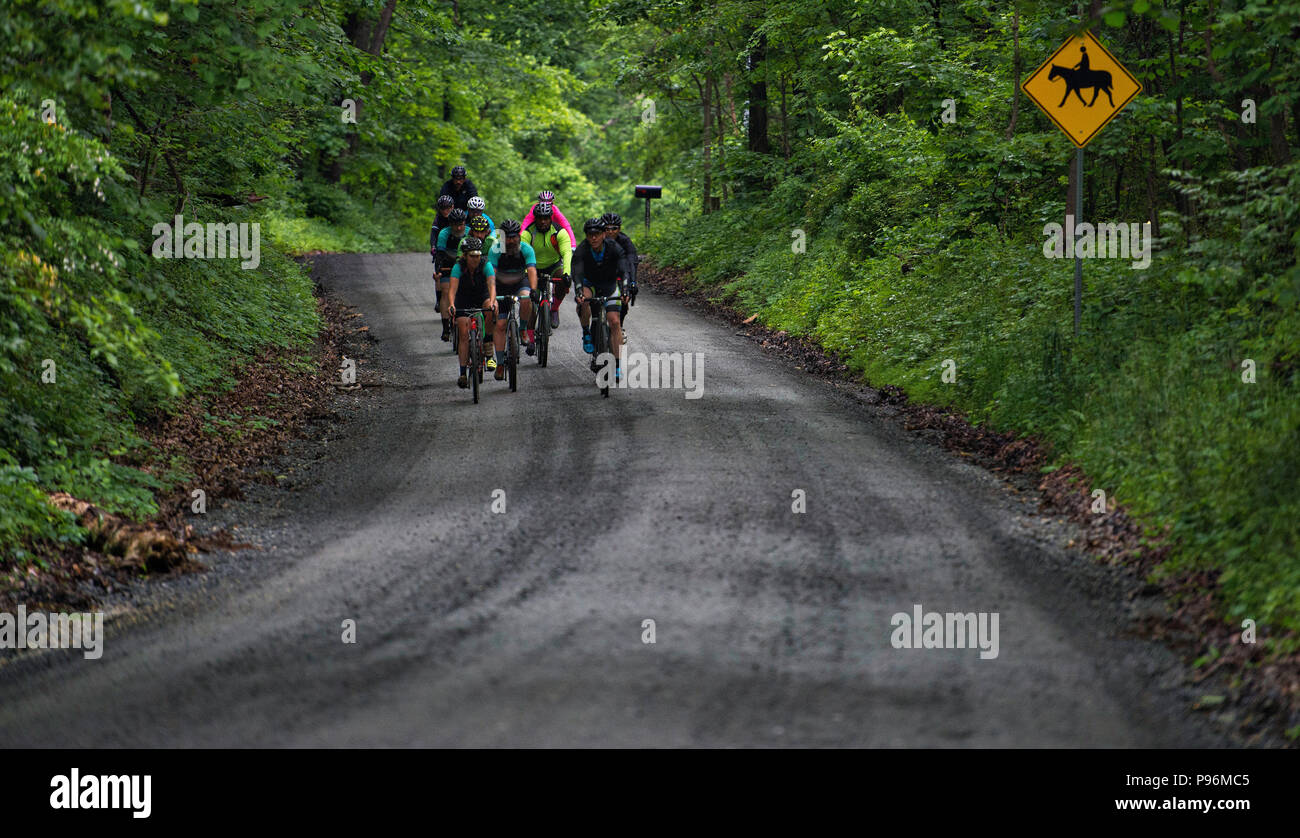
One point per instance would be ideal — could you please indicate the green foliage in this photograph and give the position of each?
(924, 243)
(118, 116)
(923, 238)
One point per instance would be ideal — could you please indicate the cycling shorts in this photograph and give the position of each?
(611, 290)
(507, 288)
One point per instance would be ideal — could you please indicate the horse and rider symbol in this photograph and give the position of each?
(1080, 77)
(1096, 72)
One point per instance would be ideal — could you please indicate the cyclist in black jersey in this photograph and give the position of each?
(459, 187)
(445, 205)
(598, 268)
(472, 286)
(448, 246)
(614, 232)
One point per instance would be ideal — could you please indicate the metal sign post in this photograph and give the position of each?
(1078, 219)
(648, 192)
(1057, 87)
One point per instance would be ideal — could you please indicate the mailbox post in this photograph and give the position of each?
(649, 192)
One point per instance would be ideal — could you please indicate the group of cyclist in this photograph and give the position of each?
(476, 261)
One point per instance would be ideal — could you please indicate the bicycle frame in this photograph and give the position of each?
(600, 333)
(478, 324)
(513, 339)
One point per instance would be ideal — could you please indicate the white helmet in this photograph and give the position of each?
(477, 203)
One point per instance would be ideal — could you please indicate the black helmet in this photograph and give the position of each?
(446, 201)
(471, 244)
(510, 227)
(612, 219)
(478, 223)
(544, 210)
(458, 171)
(546, 195)
(456, 216)
(593, 225)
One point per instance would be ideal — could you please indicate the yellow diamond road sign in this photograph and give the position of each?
(1081, 87)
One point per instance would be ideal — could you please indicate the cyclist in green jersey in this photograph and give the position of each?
(554, 252)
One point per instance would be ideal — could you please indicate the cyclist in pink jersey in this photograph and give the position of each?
(547, 196)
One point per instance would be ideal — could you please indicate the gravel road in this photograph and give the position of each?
(525, 628)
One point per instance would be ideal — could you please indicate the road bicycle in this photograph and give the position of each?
(542, 315)
(475, 346)
(513, 340)
(600, 337)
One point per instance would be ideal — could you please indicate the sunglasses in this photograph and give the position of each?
(473, 253)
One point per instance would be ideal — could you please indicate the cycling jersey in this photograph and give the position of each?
(629, 254)
(440, 223)
(472, 290)
(469, 190)
(557, 218)
(600, 270)
(510, 267)
(449, 245)
(551, 247)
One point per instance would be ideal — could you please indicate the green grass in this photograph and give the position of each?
(327, 218)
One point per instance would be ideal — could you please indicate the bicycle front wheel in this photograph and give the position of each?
(512, 354)
(473, 363)
(543, 332)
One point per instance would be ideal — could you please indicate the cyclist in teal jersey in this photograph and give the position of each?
(448, 248)
(516, 275)
(472, 286)
(478, 207)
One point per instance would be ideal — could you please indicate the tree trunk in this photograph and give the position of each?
(785, 128)
(1153, 209)
(1119, 180)
(706, 135)
(722, 138)
(1180, 200)
(367, 35)
(1281, 151)
(758, 98)
(1015, 72)
(1071, 191)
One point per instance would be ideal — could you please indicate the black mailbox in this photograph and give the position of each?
(649, 192)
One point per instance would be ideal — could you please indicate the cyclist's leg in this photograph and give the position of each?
(499, 337)
(504, 289)
(507, 286)
(444, 302)
(526, 294)
(499, 326)
(585, 311)
(487, 332)
(463, 322)
(559, 287)
(615, 320)
(561, 290)
(584, 316)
